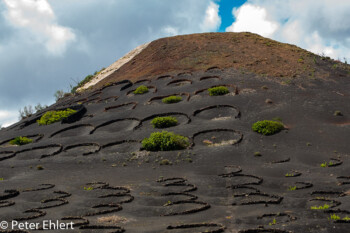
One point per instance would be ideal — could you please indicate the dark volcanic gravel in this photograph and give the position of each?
(95, 174)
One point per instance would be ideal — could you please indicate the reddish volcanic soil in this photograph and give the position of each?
(244, 51)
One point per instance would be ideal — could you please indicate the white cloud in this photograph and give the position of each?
(321, 26)
(289, 30)
(103, 30)
(212, 20)
(317, 45)
(170, 31)
(250, 18)
(38, 18)
(7, 118)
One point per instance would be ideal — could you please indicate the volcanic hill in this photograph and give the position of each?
(232, 171)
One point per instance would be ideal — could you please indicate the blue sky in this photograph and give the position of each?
(225, 11)
(48, 45)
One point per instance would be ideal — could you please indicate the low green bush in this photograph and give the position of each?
(20, 141)
(82, 83)
(54, 116)
(165, 141)
(141, 90)
(267, 127)
(172, 99)
(220, 90)
(164, 122)
(85, 80)
(324, 207)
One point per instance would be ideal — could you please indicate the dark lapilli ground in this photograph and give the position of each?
(94, 172)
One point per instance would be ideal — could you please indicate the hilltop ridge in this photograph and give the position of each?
(245, 51)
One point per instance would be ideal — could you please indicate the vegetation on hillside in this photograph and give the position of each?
(267, 127)
(216, 91)
(165, 141)
(20, 141)
(87, 79)
(55, 116)
(141, 90)
(172, 99)
(164, 122)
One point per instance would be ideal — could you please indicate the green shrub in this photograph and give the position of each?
(267, 127)
(215, 91)
(54, 116)
(85, 80)
(172, 99)
(82, 83)
(324, 207)
(325, 164)
(165, 141)
(164, 122)
(20, 141)
(335, 217)
(141, 90)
